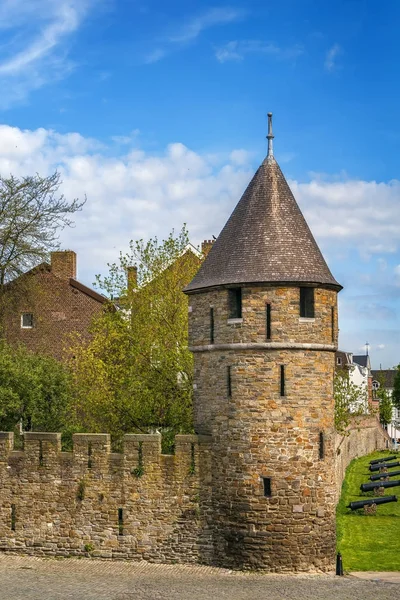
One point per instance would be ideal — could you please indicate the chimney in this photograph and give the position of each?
(131, 273)
(63, 264)
(206, 246)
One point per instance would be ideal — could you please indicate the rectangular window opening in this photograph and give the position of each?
(267, 486)
(333, 322)
(13, 517)
(27, 320)
(40, 453)
(229, 381)
(321, 445)
(268, 321)
(235, 303)
(120, 521)
(282, 380)
(90, 462)
(192, 469)
(211, 325)
(307, 302)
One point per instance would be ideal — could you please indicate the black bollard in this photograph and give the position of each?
(339, 564)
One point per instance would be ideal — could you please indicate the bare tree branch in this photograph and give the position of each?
(32, 213)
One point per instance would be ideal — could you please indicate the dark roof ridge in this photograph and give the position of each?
(44, 266)
(248, 284)
(87, 290)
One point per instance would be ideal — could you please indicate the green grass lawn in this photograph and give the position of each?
(368, 542)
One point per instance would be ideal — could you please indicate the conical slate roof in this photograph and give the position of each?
(266, 239)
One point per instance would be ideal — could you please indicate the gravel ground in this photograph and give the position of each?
(27, 578)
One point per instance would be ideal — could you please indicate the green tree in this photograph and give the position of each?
(136, 373)
(35, 391)
(396, 388)
(385, 406)
(350, 400)
(32, 212)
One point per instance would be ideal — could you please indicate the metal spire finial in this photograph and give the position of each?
(270, 137)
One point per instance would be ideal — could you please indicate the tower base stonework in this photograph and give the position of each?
(261, 437)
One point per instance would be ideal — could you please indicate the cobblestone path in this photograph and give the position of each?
(26, 578)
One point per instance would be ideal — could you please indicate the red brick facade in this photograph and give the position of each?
(55, 306)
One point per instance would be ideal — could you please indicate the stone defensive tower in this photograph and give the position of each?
(263, 330)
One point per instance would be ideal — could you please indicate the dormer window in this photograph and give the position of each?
(27, 321)
(235, 303)
(307, 302)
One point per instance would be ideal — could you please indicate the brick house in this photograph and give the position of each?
(44, 306)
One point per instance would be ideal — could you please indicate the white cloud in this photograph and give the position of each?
(371, 348)
(35, 53)
(362, 214)
(193, 27)
(397, 276)
(126, 139)
(331, 57)
(238, 50)
(190, 29)
(382, 265)
(240, 157)
(131, 196)
(155, 55)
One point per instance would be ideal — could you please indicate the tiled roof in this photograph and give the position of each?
(361, 359)
(343, 359)
(266, 239)
(387, 375)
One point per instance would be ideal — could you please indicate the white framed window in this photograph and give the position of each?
(27, 321)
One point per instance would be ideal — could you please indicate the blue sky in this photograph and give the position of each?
(157, 111)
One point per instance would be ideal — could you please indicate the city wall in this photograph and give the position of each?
(138, 504)
(363, 436)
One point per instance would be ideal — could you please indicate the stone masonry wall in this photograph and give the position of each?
(59, 503)
(286, 326)
(364, 435)
(139, 504)
(256, 433)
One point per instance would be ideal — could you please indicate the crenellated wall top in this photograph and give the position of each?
(91, 452)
